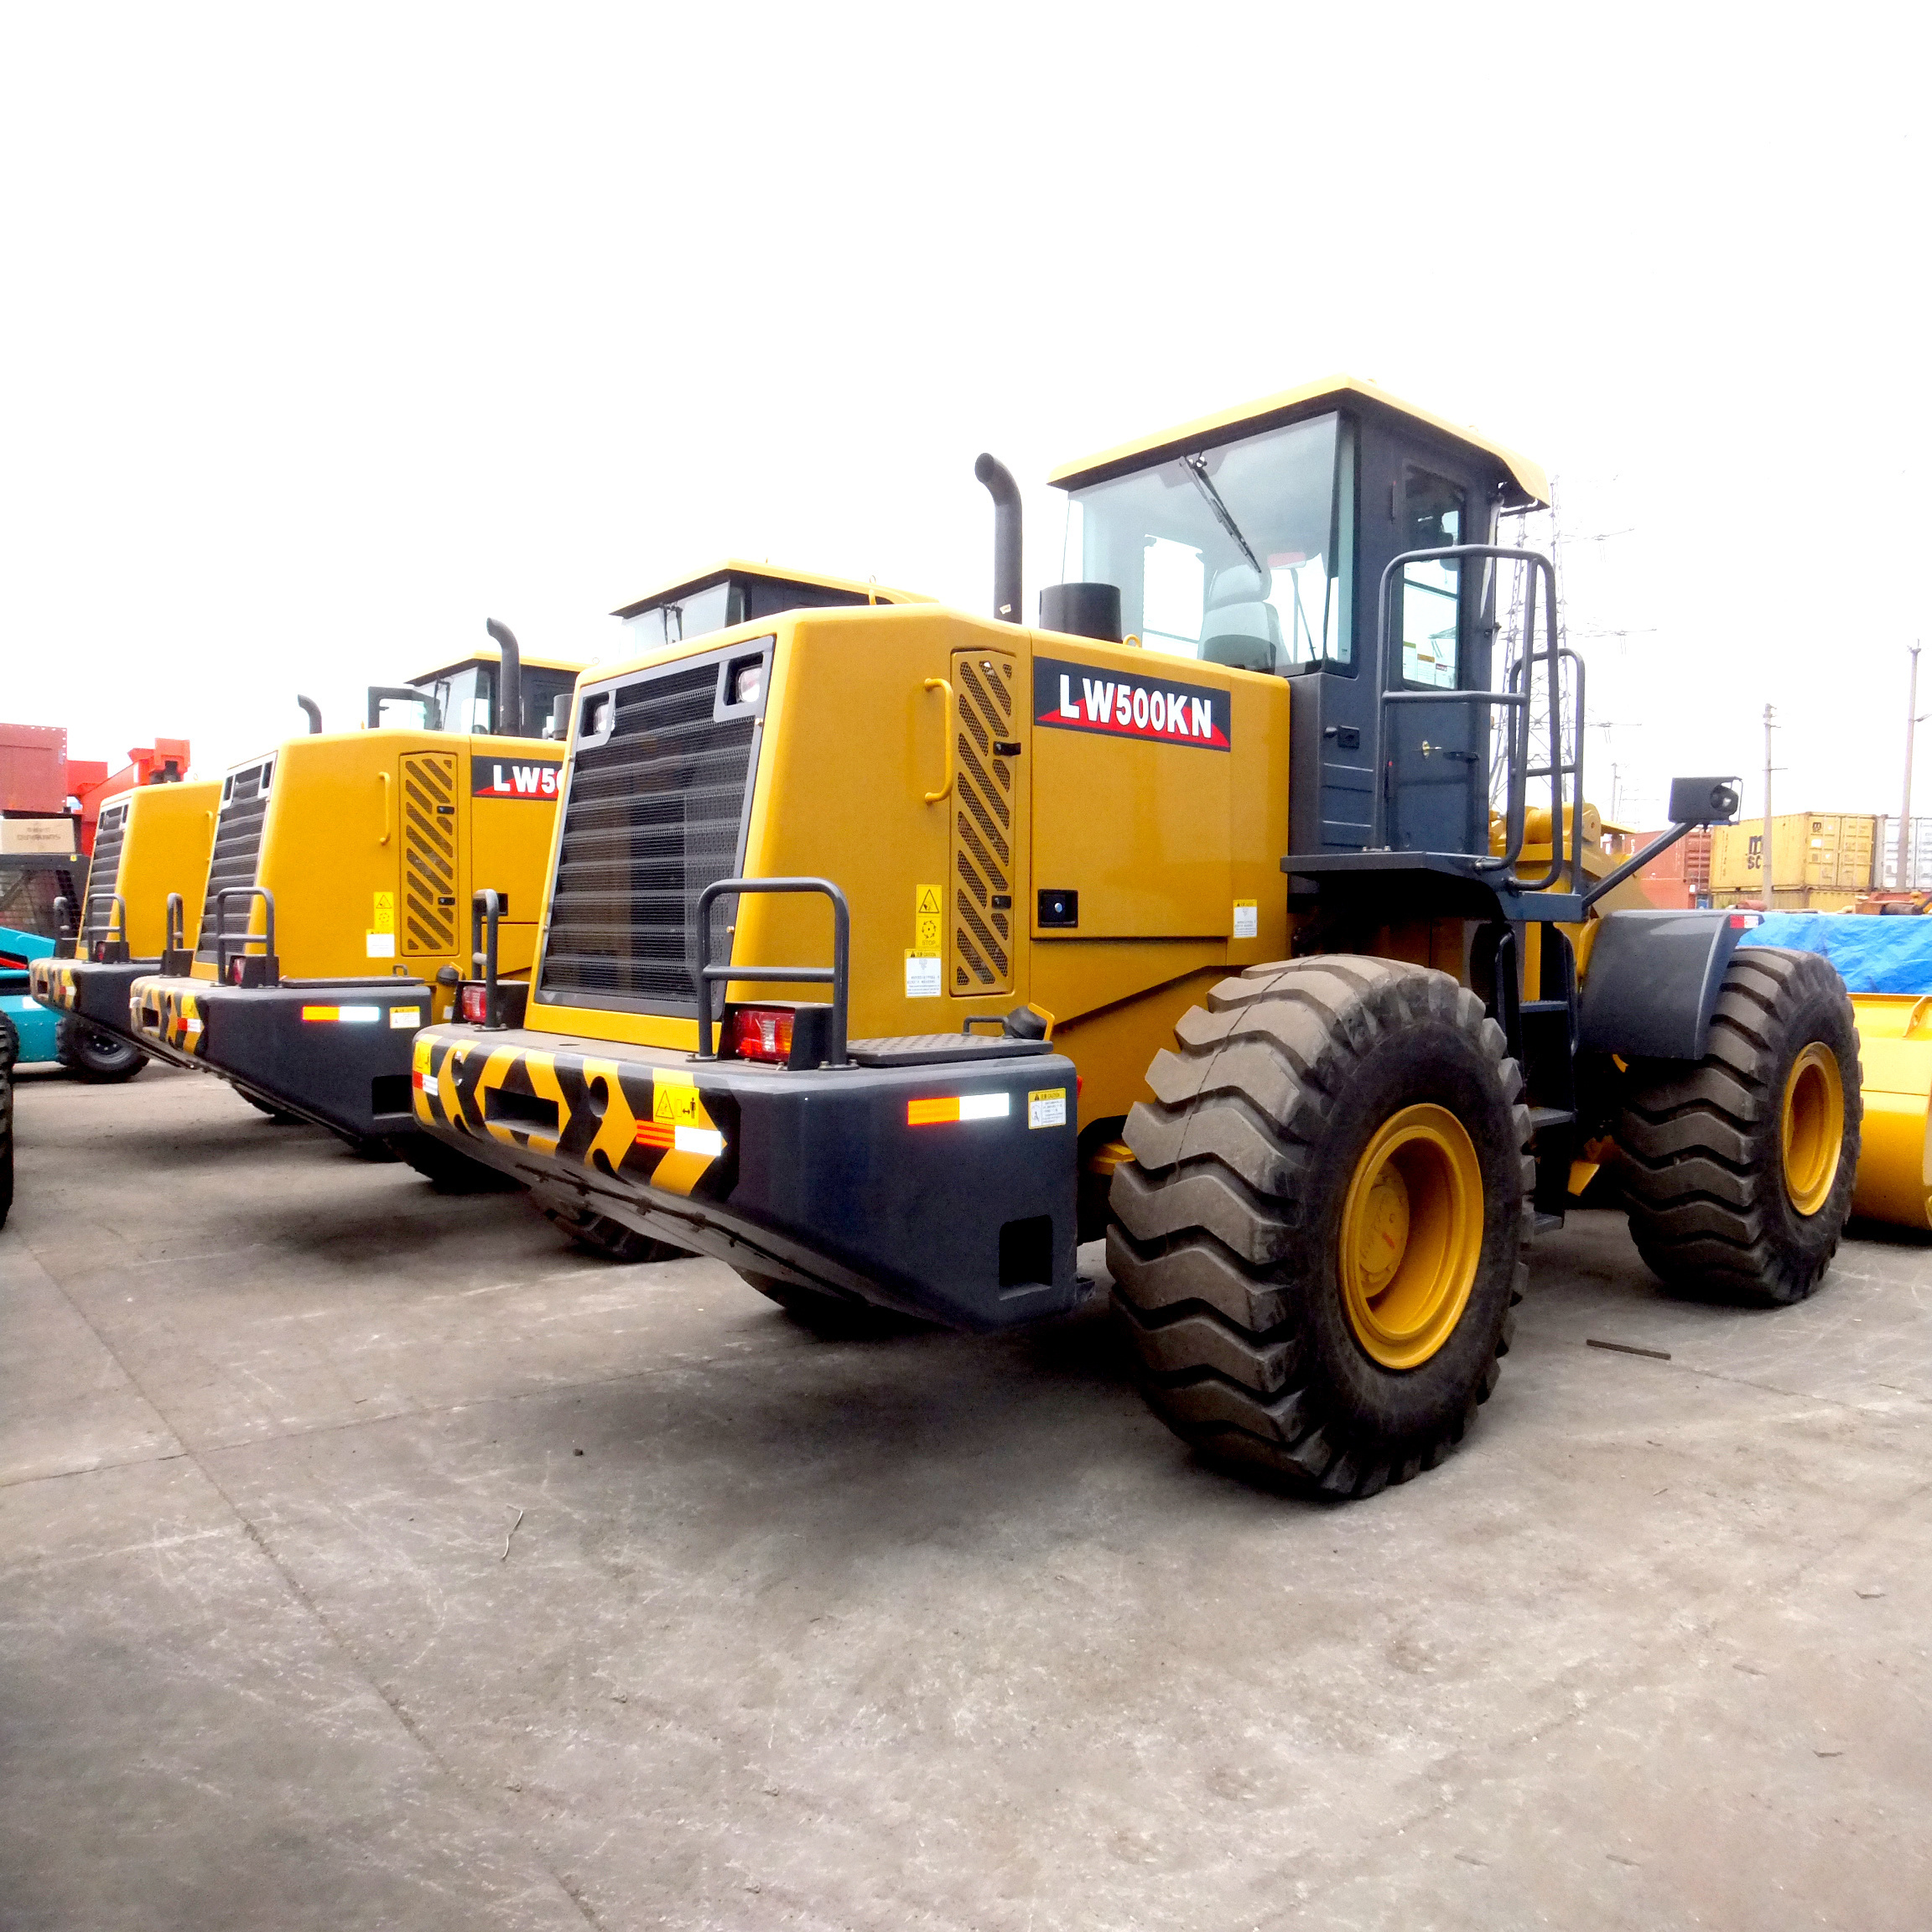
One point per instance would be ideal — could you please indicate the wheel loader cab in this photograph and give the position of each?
(464, 698)
(735, 592)
(1259, 539)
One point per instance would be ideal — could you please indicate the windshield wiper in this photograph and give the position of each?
(1197, 467)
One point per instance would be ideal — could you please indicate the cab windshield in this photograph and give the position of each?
(1239, 553)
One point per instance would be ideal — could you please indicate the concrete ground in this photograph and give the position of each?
(369, 1558)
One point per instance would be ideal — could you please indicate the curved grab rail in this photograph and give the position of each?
(945, 789)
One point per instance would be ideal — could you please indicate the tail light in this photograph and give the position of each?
(234, 972)
(475, 1005)
(759, 1033)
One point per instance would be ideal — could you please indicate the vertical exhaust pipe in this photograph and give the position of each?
(1005, 495)
(314, 712)
(509, 682)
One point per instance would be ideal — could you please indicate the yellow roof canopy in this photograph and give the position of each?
(1532, 485)
(767, 573)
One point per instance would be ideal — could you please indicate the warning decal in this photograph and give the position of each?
(1072, 697)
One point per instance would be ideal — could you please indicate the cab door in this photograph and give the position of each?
(1437, 754)
(986, 893)
(430, 922)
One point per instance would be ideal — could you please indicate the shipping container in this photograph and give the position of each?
(1790, 898)
(1833, 849)
(1917, 853)
(33, 767)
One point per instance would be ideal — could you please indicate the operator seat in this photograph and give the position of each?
(1239, 626)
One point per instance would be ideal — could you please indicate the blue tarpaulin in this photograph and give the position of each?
(1873, 955)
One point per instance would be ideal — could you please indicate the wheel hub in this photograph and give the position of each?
(1411, 1236)
(1812, 1127)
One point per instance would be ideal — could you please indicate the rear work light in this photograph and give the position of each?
(759, 1033)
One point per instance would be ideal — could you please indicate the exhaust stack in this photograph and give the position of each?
(314, 713)
(509, 682)
(1005, 495)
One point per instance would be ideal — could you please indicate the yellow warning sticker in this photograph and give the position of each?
(1247, 919)
(1047, 1108)
(928, 910)
(383, 918)
(673, 1096)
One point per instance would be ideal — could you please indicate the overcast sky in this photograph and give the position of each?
(331, 331)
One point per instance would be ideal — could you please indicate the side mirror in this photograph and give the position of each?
(1703, 801)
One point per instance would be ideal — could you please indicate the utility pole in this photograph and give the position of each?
(1905, 803)
(1764, 872)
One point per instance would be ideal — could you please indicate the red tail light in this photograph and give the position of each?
(759, 1033)
(476, 1002)
(234, 972)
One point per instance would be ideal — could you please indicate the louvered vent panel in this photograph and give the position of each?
(984, 831)
(104, 875)
(429, 852)
(238, 853)
(654, 815)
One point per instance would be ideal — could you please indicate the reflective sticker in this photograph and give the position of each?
(347, 1016)
(379, 946)
(1247, 919)
(698, 1140)
(426, 1083)
(958, 1107)
(923, 976)
(1047, 1108)
(405, 1019)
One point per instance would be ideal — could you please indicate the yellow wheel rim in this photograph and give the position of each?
(1812, 1127)
(1411, 1236)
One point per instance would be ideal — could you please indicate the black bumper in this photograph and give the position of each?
(336, 1052)
(92, 991)
(930, 1189)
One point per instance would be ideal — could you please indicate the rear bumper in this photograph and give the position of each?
(821, 1178)
(91, 991)
(335, 1052)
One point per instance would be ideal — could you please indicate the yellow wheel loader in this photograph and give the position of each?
(151, 845)
(1246, 911)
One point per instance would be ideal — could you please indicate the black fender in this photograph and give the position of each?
(1652, 982)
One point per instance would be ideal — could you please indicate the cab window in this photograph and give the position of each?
(1432, 518)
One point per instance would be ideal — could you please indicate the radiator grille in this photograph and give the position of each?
(982, 825)
(429, 852)
(654, 816)
(237, 852)
(104, 874)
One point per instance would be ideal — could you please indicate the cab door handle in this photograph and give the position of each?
(945, 783)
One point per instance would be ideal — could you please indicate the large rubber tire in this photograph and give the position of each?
(280, 1115)
(97, 1057)
(1701, 1147)
(834, 1318)
(599, 1234)
(1225, 1248)
(448, 1169)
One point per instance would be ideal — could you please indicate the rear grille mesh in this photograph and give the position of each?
(982, 823)
(236, 854)
(654, 817)
(429, 852)
(104, 874)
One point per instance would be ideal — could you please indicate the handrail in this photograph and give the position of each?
(946, 784)
(388, 828)
(839, 973)
(485, 909)
(175, 926)
(1517, 742)
(265, 938)
(116, 912)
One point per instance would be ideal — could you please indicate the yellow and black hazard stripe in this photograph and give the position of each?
(621, 1119)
